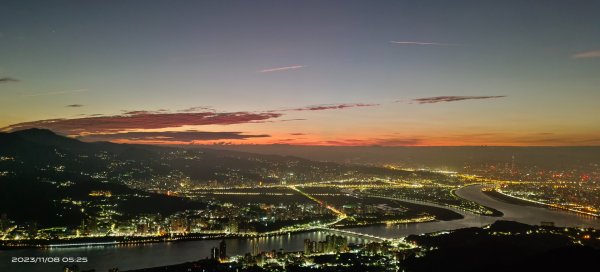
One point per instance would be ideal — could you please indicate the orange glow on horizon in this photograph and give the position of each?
(315, 141)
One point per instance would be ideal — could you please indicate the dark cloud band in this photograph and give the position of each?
(440, 99)
(332, 107)
(8, 80)
(142, 120)
(172, 136)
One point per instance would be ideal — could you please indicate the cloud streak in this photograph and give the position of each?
(128, 125)
(375, 142)
(384, 141)
(587, 54)
(8, 80)
(171, 136)
(281, 69)
(55, 93)
(142, 120)
(440, 99)
(422, 43)
(332, 107)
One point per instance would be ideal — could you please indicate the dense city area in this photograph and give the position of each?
(102, 194)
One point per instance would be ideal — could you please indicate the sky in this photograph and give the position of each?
(348, 73)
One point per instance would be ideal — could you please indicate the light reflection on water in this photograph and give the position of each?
(126, 257)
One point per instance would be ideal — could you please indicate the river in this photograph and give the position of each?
(128, 257)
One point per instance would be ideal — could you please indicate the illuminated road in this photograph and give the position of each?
(341, 215)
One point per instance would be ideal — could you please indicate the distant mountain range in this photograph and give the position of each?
(44, 148)
(42, 172)
(453, 157)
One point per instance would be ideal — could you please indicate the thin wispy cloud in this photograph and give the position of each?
(423, 43)
(440, 99)
(8, 80)
(293, 119)
(332, 107)
(357, 142)
(377, 142)
(74, 106)
(277, 120)
(587, 54)
(55, 93)
(281, 69)
(139, 112)
(198, 108)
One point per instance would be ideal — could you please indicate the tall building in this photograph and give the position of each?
(307, 246)
(4, 223)
(335, 243)
(512, 164)
(322, 247)
(222, 250)
(330, 243)
(214, 253)
(314, 247)
(82, 228)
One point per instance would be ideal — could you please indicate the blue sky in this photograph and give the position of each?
(72, 60)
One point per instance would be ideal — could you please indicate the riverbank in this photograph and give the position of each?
(105, 241)
(526, 212)
(511, 200)
(494, 212)
(140, 240)
(527, 202)
(443, 213)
